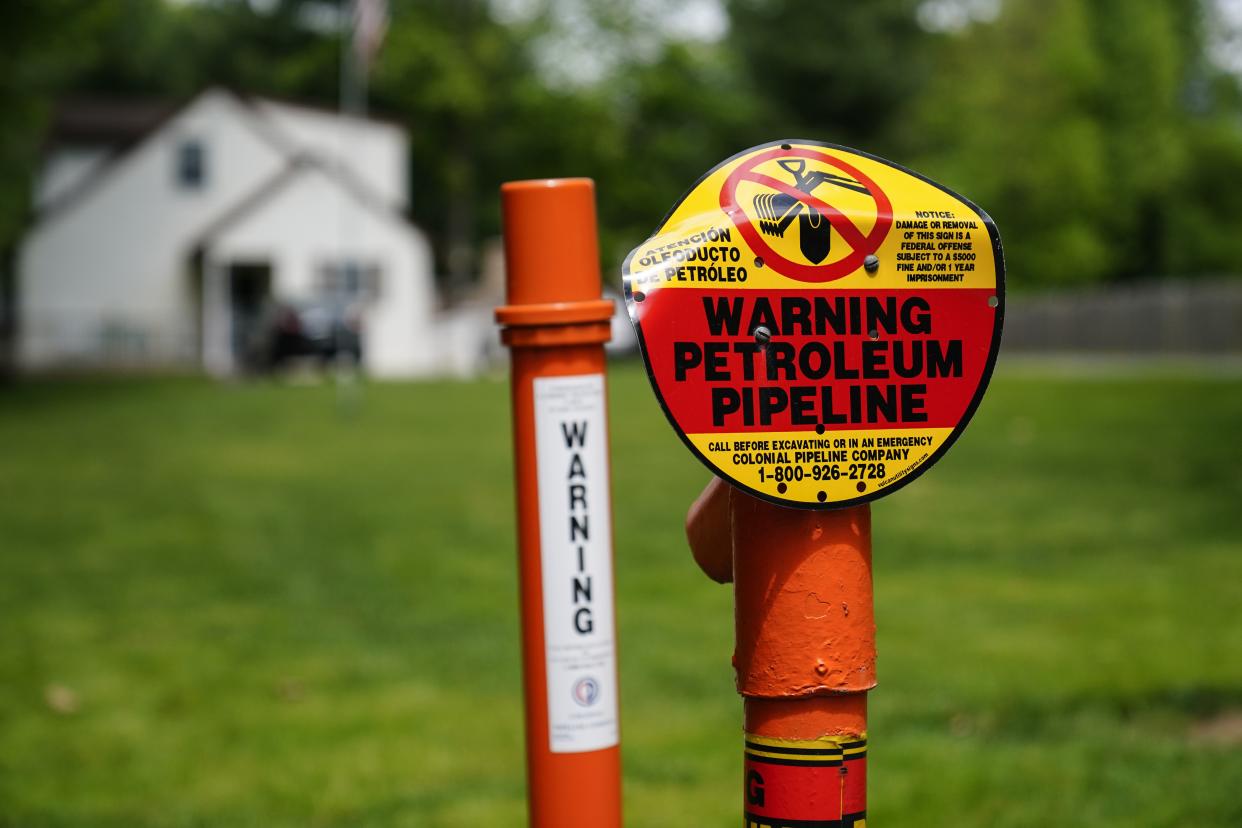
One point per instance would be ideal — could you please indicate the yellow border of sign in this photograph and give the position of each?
(994, 348)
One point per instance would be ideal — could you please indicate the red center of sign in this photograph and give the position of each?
(796, 200)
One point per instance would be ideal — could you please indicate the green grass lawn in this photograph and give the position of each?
(235, 605)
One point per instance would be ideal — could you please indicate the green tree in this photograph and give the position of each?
(838, 72)
(154, 48)
(1085, 127)
(43, 45)
(50, 49)
(1097, 132)
(675, 116)
(462, 81)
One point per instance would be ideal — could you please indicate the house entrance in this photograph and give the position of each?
(250, 292)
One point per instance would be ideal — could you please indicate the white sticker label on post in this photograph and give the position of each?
(575, 528)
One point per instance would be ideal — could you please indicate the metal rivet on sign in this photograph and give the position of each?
(762, 335)
(786, 146)
(993, 301)
(822, 496)
(872, 263)
(781, 487)
(639, 296)
(873, 334)
(758, 261)
(862, 487)
(819, 429)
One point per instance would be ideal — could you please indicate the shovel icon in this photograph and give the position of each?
(776, 211)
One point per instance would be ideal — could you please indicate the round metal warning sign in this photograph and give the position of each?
(818, 323)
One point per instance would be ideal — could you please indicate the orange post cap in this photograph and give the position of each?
(551, 248)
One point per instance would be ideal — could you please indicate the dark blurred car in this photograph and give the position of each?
(324, 331)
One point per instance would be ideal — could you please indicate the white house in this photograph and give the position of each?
(167, 241)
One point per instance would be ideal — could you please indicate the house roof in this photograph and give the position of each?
(269, 189)
(126, 125)
(110, 122)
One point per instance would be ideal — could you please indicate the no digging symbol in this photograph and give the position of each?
(772, 212)
(787, 362)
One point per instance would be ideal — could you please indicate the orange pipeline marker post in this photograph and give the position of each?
(805, 658)
(819, 325)
(555, 324)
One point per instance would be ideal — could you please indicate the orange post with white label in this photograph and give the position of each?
(805, 653)
(555, 324)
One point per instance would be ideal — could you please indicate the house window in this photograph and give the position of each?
(191, 165)
(350, 280)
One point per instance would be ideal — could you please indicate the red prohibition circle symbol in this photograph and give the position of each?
(861, 244)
